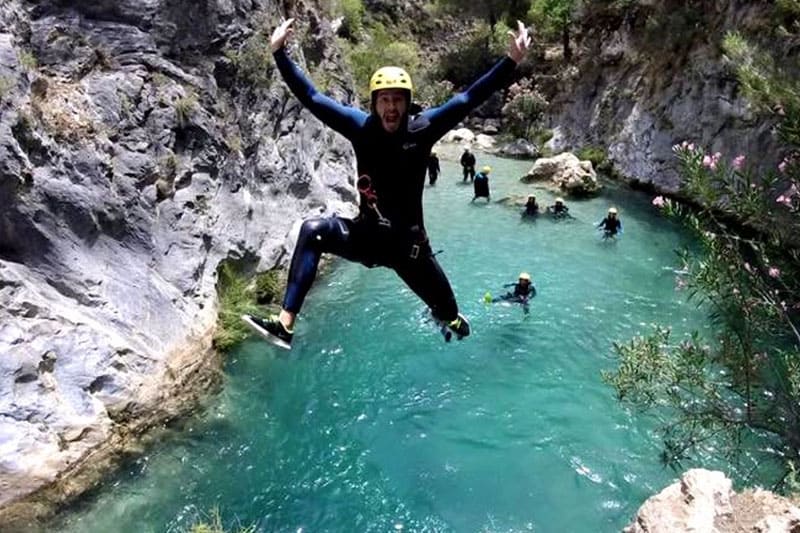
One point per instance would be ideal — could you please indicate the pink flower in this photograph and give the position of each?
(785, 200)
(658, 201)
(774, 272)
(707, 161)
(690, 147)
(782, 167)
(738, 162)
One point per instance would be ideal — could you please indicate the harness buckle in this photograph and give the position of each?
(414, 251)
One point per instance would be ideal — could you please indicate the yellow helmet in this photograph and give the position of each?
(612, 210)
(486, 169)
(390, 78)
(525, 276)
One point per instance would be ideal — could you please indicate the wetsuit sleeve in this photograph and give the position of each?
(446, 116)
(344, 119)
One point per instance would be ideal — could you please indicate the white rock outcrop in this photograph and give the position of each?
(704, 501)
(565, 172)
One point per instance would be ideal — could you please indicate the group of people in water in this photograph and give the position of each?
(393, 148)
(611, 224)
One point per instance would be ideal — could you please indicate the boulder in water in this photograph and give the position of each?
(566, 172)
(519, 149)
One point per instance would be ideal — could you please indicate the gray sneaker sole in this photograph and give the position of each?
(266, 335)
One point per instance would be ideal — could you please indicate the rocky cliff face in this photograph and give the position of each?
(137, 153)
(652, 75)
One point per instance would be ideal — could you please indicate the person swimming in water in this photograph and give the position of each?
(559, 209)
(531, 207)
(523, 291)
(611, 225)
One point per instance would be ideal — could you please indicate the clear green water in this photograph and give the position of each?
(373, 423)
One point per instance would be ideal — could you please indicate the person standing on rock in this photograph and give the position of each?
(392, 151)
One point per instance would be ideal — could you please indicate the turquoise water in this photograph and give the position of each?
(373, 423)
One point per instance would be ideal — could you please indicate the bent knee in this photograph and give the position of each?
(316, 231)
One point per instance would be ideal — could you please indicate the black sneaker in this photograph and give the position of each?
(459, 326)
(270, 329)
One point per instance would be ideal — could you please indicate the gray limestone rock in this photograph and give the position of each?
(126, 177)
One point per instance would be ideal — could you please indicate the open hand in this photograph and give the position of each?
(519, 43)
(281, 33)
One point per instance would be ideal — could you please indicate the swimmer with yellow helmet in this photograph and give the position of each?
(392, 146)
(611, 224)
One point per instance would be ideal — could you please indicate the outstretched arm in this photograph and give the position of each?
(446, 116)
(344, 119)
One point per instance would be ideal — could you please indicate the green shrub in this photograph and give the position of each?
(214, 525)
(542, 136)
(378, 50)
(6, 84)
(353, 13)
(595, 154)
(474, 56)
(237, 296)
(185, 108)
(253, 61)
(432, 93)
(523, 108)
(267, 287)
(27, 60)
(736, 393)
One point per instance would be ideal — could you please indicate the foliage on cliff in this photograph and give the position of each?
(739, 392)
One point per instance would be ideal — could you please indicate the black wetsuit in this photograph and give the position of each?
(468, 165)
(389, 230)
(611, 226)
(559, 210)
(481, 185)
(531, 209)
(522, 293)
(433, 169)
